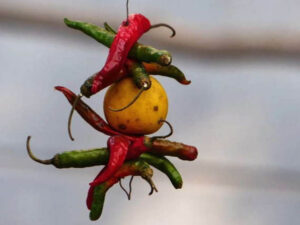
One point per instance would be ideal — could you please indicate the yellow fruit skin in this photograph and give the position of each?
(140, 118)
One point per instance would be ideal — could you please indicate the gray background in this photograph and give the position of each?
(241, 111)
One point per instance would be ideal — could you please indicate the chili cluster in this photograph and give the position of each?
(125, 155)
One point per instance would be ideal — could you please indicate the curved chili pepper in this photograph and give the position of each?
(124, 40)
(134, 168)
(118, 147)
(140, 52)
(163, 164)
(119, 49)
(87, 113)
(107, 80)
(137, 71)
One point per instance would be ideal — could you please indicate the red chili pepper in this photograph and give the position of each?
(120, 148)
(129, 32)
(87, 113)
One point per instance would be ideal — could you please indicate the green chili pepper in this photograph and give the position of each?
(81, 158)
(164, 165)
(139, 52)
(98, 201)
(140, 76)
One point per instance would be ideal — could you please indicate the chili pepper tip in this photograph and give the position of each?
(59, 88)
(186, 82)
(67, 21)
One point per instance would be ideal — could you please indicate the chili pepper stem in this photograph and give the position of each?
(109, 28)
(152, 185)
(33, 157)
(145, 87)
(71, 115)
(130, 188)
(164, 25)
(165, 136)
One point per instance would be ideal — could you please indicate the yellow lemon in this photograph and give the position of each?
(143, 116)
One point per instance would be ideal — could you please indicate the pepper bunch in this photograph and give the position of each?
(125, 154)
(153, 153)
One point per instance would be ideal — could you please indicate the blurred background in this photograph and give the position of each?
(241, 111)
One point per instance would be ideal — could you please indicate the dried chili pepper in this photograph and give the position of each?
(86, 112)
(180, 150)
(140, 52)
